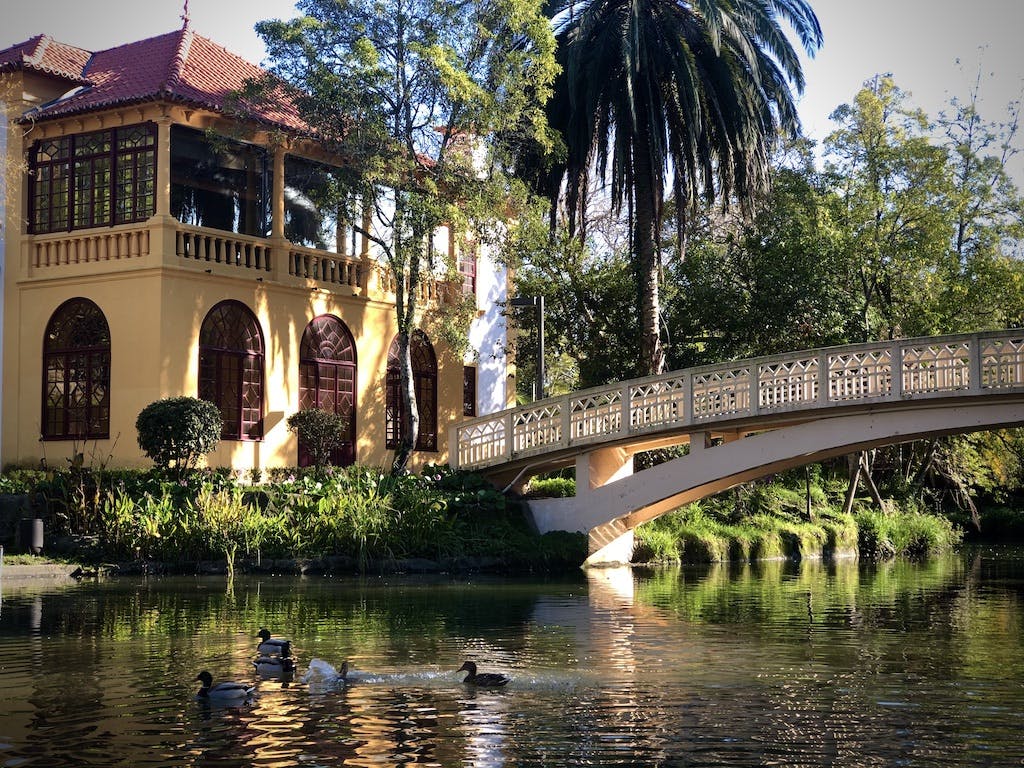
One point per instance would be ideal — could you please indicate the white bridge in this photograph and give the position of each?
(742, 420)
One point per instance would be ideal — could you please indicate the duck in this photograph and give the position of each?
(222, 691)
(272, 647)
(323, 673)
(483, 679)
(275, 665)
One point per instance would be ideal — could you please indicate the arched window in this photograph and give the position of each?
(424, 374)
(231, 369)
(327, 380)
(76, 373)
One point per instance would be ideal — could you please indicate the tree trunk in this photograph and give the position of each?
(645, 241)
(410, 417)
(406, 290)
(870, 482)
(853, 461)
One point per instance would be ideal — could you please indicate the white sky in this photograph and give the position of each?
(919, 41)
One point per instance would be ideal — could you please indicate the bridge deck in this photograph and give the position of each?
(755, 394)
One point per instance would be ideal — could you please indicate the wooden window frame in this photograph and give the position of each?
(65, 350)
(424, 371)
(230, 367)
(328, 345)
(89, 188)
(469, 390)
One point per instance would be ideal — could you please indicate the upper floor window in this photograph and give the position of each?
(222, 184)
(317, 214)
(231, 369)
(469, 390)
(76, 373)
(467, 268)
(424, 374)
(93, 179)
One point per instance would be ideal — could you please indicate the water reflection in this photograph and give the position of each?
(811, 664)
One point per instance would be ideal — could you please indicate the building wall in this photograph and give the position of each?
(5, 160)
(488, 338)
(155, 317)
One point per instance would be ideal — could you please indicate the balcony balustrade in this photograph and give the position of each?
(173, 244)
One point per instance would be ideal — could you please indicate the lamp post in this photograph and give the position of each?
(537, 302)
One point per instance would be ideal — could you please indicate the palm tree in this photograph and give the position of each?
(692, 91)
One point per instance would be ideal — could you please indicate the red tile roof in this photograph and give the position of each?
(180, 66)
(44, 54)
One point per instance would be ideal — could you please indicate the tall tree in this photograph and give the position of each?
(765, 284)
(672, 95)
(414, 94)
(895, 209)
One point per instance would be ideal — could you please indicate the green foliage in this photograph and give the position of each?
(551, 488)
(178, 431)
(768, 284)
(425, 99)
(765, 522)
(358, 512)
(319, 431)
(21, 480)
(904, 534)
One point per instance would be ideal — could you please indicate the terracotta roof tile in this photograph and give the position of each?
(178, 66)
(44, 54)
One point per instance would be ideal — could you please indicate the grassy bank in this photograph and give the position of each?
(795, 515)
(694, 535)
(360, 515)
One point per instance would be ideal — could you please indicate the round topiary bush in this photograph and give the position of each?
(320, 432)
(178, 431)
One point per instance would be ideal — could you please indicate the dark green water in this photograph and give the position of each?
(772, 664)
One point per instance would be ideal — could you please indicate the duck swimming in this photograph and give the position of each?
(275, 665)
(222, 691)
(272, 647)
(483, 679)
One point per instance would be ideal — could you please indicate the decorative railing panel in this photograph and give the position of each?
(721, 393)
(657, 403)
(949, 366)
(484, 443)
(536, 427)
(596, 414)
(1002, 363)
(216, 247)
(856, 375)
(936, 367)
(787, 383)
(89, 247)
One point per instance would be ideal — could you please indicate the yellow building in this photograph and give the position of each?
(143, 259)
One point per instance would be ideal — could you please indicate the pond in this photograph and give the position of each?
(812, 664)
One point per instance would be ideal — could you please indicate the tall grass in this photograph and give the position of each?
(361, 512)
(769, 522)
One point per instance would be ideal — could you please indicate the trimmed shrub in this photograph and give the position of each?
(178, 430)
(319, 431)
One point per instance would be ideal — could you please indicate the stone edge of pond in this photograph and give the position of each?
(326, 566)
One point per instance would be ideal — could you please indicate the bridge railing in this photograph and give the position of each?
(830, 377)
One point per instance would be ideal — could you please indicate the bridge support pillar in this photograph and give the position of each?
(605, 465)
(610, 545)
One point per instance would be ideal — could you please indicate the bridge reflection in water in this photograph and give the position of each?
(742, 420)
